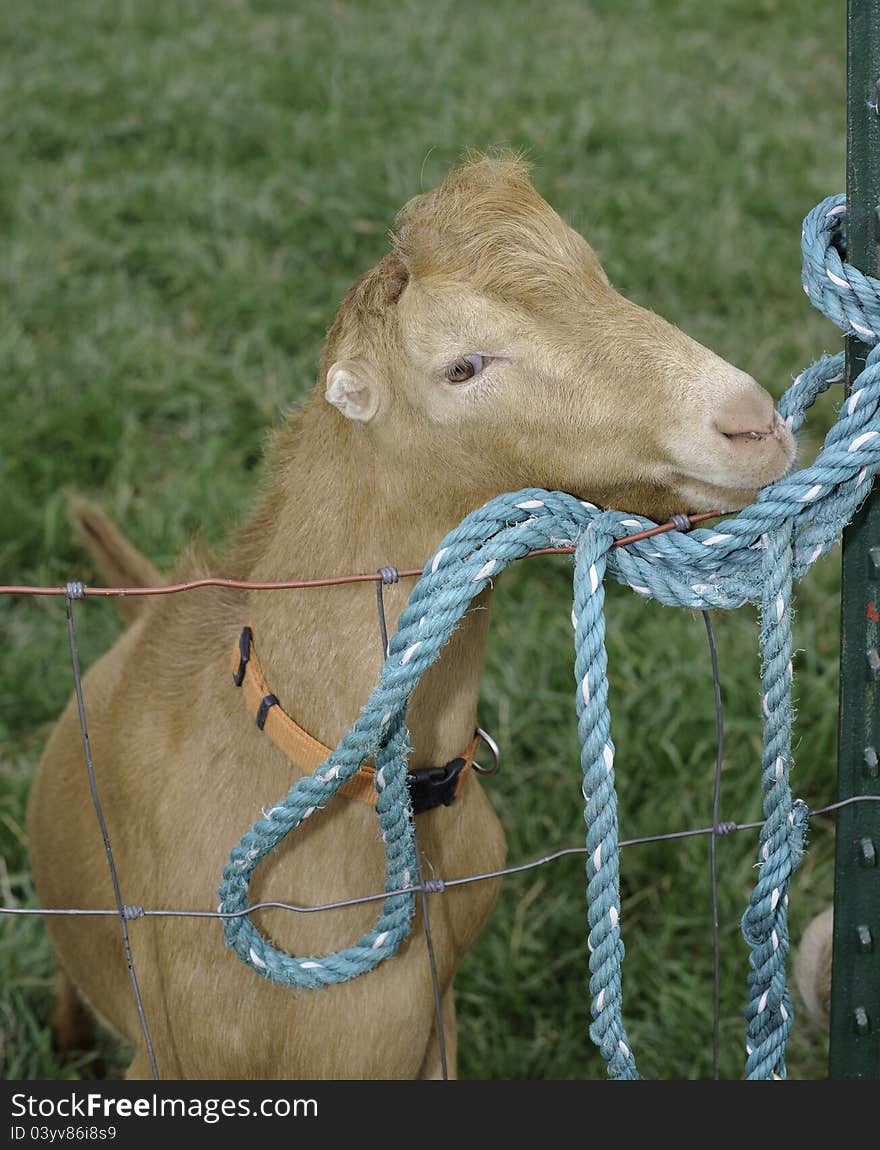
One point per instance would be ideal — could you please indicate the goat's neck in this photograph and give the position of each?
(333, 510)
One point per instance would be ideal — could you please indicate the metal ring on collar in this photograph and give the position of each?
(495, 751)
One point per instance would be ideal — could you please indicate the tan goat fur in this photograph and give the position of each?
(580, 390)
(812, 966)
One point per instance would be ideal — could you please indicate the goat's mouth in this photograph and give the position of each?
(673, 495)
(696, 495)
(727, 489)
(710, 470)
(727, 470)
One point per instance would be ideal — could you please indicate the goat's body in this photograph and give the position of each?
(173, 794)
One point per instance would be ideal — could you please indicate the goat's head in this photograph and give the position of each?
(489, 352)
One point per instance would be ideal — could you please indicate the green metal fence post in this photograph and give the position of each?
(855, 1005)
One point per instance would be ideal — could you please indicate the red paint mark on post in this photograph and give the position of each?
(872, 612)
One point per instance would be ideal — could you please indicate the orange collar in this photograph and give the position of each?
(431, 787)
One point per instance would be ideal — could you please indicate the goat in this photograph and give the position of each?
(487, 351)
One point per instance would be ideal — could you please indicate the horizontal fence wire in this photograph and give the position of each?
(681, 522)
(427, 886)
(126, 912)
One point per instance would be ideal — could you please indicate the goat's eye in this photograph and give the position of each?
(465, 368)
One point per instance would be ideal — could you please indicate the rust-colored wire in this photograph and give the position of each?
(292, 584)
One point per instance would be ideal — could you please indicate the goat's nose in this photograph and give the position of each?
(749, 414)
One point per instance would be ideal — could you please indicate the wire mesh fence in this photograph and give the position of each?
(424, 887)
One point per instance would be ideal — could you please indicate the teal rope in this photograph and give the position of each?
(765, 923)
(753, 557)
(600, 813)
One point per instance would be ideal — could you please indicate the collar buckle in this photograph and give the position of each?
(432, 787)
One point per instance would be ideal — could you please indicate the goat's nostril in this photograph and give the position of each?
(749, 417)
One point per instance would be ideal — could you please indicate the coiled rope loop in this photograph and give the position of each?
(753, 557)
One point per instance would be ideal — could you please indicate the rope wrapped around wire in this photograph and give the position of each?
(752, 557)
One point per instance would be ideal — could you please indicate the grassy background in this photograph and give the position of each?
(186, 191)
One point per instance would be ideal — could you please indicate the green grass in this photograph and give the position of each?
(187, 190)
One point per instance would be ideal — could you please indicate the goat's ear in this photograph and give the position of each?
(351, 387)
